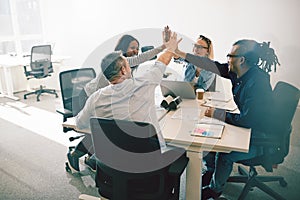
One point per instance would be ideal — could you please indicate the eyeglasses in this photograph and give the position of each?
(233, 56)
(197, 46)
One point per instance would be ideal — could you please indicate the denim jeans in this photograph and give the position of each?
(221, 164)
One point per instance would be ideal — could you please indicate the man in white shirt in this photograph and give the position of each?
(127, 97)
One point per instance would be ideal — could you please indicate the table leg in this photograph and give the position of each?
(9, 84)
(1, 86)
(193, 176)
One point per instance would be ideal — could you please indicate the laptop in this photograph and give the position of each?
(178, 88)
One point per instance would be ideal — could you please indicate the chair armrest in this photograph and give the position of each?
(65, 112)
(27, 73)
(271, 140)
(265, 141)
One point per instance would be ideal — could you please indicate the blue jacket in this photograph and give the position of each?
(205, 80)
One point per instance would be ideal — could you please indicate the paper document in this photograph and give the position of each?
(229, 106)
(209, 120)
(219, 96)
(186, 113)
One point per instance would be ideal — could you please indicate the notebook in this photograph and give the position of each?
(178, 88)
(208, 130)
(209, 127)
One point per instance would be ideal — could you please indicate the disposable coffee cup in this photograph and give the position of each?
(200, 94)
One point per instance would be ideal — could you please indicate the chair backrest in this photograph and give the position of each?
(135, 141)
(72, 84)
(286, 98)
(40, 61)
(276, 144)
(128, 155)
(147, 48)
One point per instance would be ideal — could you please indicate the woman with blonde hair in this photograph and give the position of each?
(203, 79)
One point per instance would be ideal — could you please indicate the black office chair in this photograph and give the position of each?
(275, 146)
(147, 48)
(130, 164)
(72, 84)
(41, 67)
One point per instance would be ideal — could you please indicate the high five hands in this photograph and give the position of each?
(170, 40)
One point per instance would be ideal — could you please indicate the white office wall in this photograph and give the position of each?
(78, 27)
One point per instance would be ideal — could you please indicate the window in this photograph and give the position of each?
(21, 26)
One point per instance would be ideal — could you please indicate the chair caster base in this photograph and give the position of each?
(67, 167)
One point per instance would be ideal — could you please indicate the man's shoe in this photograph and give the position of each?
(90, 162)
(73, 162)
(206, 177)
(208, 193)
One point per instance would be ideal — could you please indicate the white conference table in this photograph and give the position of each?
(7, 63)
(177, 131)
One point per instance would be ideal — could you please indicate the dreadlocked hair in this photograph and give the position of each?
(258, 54)
(268, 57)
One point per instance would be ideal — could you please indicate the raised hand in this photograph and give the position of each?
(172, 44)
(166, 34)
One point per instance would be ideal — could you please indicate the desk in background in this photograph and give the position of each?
(10, 63)
(177, 132)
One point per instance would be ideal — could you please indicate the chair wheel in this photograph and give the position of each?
(283, 183)
(68, 169)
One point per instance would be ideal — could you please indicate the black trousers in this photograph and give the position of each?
(85, 146)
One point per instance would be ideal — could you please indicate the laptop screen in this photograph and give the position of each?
(178, 88)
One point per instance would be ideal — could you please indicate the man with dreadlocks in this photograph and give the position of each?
(249, 63)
